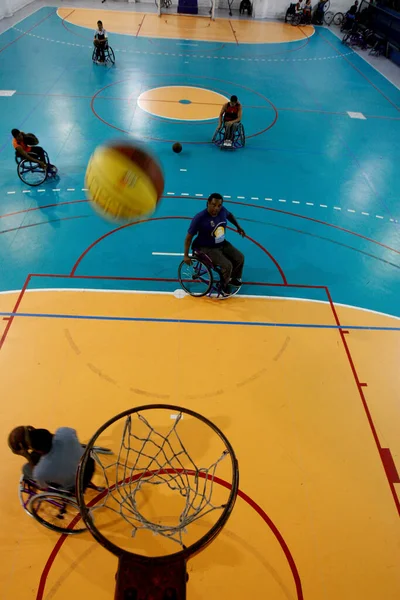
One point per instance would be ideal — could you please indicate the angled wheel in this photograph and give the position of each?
(111, 55)
(219, 136)
(196, 279)
(328, 17)
(338, 19)
(26, 489)
(31, 173)
(56, 511)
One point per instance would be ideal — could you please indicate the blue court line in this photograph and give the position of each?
(196, 321)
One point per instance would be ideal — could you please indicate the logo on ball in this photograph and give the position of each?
(129, 179)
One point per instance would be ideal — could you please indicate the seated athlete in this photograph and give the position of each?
(99, 41)
(230, 116)
(53, 459)
(307, 10)
(33, 152)
(209, 227)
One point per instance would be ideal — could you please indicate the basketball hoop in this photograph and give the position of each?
(162, 502)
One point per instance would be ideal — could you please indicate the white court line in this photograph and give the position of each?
(366, 214)
(268, 199)
(170, 193)
(323, 205)
(10, 192)
(168, 254)
(337, 208)
(199, 195)
(163, 293)
(281, 200)
(295, 202)
(184, 194)
(241, 197)
(310, 203)
(183, 169)
(379, 217)
(351, 210)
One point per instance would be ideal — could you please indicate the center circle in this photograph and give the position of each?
(182, 103)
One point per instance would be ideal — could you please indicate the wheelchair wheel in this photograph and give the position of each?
(338, 19)
(239, 139)
(328, 17)
(31, 173)
(26, 489)
(219, 136)
(196, 279)
(56, 511)
(110, 55)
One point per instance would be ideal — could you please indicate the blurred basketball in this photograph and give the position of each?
(177, 147)
(124, 181)
(16, 438)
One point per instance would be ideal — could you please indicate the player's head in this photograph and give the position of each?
(234, 100)
(16, 134)
(214, 204)
(40, 440)
(100, 25)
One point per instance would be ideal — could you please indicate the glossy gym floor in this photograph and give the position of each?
(300, 370)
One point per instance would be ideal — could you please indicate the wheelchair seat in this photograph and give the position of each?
(238, 137)
(31, 173)
(109, 56)
(203, 278)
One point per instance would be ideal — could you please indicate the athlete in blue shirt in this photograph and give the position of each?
(208, 228)
(53, 459)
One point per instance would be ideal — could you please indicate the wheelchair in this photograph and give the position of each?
(238, 138)
(109, 56)
(203, 278)
(31, 173)
(53, 507)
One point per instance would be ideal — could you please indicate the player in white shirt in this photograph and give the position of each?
(100, 40)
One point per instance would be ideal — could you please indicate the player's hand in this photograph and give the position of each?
(241, 232)
(43, 165)
(187, 260)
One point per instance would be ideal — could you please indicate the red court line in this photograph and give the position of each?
(382, 453)
(234, 33)
(389, 465)
(89, 248)
(25, 32)
(140, 26)
(15, 309)
(268, 208)
(363, 399)
(256, 507)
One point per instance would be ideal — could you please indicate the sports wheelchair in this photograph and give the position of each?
(53, 507)
(238, 137)
(109, 56)
(33, 174)
(203, 278)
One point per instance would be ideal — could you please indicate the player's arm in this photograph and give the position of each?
(188, 243)
(21, 152)
(232, 219)
(221, 116)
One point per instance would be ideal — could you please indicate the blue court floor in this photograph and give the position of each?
(318, 189)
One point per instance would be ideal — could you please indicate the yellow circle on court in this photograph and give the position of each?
(181, 102)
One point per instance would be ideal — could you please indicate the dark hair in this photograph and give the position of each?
(215, 196)
(41, 440)
(100, 22)
(233, 98)
(15, 132)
